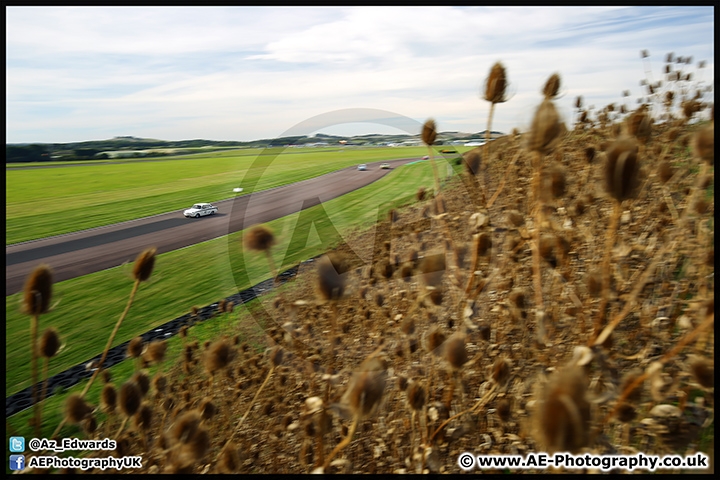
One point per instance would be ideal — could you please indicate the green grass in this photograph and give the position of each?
(53, 201)
(199, 275)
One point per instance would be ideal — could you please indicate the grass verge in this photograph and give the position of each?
(194, 276)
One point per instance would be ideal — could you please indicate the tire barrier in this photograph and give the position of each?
(24, 399)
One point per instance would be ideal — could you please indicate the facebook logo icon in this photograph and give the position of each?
(17, 462)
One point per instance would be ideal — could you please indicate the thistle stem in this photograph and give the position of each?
(612, 233)
(107, 347)
(344, 443)
(537, 273)
(33, 353)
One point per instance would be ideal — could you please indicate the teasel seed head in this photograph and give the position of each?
(402, 383)
(455, 352)
(207, 409)
(434, 339)
(564, 413)
(144, 264)
(496, 84)
(186, 426)
(76, 408)
(108, 398)
(517, 298)
(555, 182)
(433, 269)
(135, 347)
(472, 161)
(229, 461)
(415, 395)
(159, 383)
(143, 417)
(594, 282)
(365, 391)
(546, 130)
(436, 296)
(622, 169)
(625, 413)
(331, 282)
(501, 371)
(548, 242)
(503, 410)
(38, 291)
(552, 86)
(156, 351)
(217, 356)
(700, 206)
(142, 380)
(276, 356)
(703, 144)
(429, 132)
(665, 171)
(259, 238)
(515, 218)
(640, 125)
(483, 243)
(590, 154)
(49, 343)
(703, 371)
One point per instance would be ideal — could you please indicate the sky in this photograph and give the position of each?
(247, 73)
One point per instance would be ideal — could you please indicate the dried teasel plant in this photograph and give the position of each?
(48, 348)
(552, 86)
(362, 397)
(545, 134)
(276, 355)
(143, 268)
(563, 413)
(429, 135)
(416, 397)
(331, 284)
(261, 239)
(621, 181)
(36, 301)
(456, 356)
(217, 357)
(76, 409)
(494, 92)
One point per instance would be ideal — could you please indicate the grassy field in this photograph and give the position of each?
(94, 302)
(46, 202)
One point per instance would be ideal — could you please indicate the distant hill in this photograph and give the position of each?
(38, 152)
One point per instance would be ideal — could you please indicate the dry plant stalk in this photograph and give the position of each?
(36, 301)
(545, 134)
(48, 348)
(142, 270)
(363, 396)
(429, 135)
(621, 181)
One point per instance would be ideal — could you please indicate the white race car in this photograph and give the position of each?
(200, 209)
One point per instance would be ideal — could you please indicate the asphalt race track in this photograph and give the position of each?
(89, 251)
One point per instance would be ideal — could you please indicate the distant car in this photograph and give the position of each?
(426, 157)
(362, 167)
(385, 165)
(201, 209)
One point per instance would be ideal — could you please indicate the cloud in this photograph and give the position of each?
(244, 73)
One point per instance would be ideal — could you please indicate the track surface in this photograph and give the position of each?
(81, 253)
